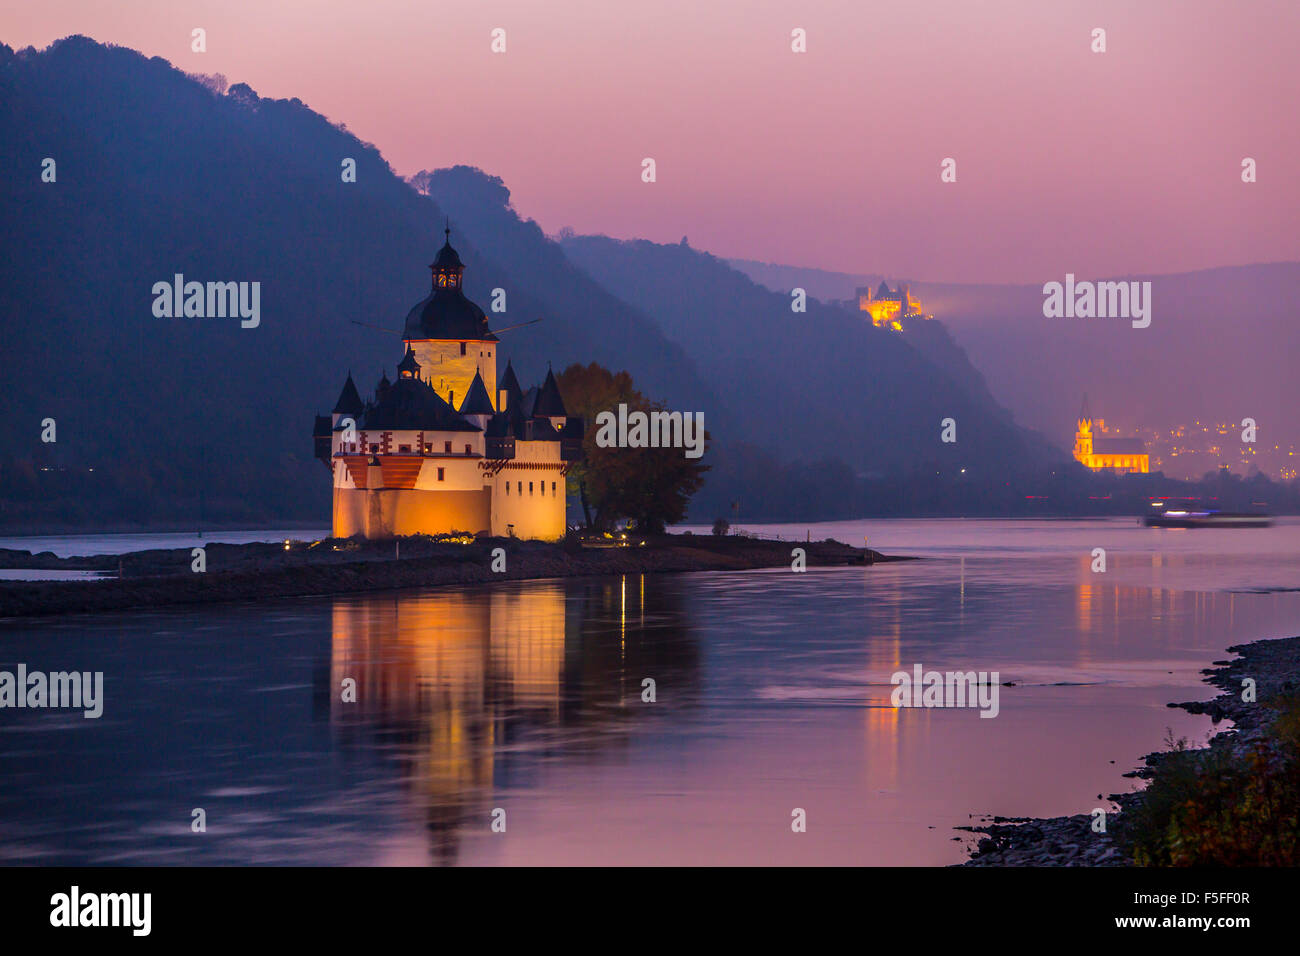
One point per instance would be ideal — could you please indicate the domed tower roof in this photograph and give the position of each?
(446, 313)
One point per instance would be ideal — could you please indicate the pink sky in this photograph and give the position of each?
(1067, 160)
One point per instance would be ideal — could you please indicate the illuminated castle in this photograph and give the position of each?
(447, 447)
(888, 309)
(1122, 455)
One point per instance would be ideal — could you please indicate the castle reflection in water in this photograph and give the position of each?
(466, 691)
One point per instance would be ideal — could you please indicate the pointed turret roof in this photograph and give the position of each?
(549, 403)
(409, 363)
(477, 401)
(349, 402)
(1085, 415)
(883, 290)
(510, 383)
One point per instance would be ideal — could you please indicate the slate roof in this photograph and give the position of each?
(446, 313)
(549, 402)
(541, 429)
(509, 382)
(448, 258)
(349, 402)
(499, 426)
(411, 404)
(477, 401)
(409, 362)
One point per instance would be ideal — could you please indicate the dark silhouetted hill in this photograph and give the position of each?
(820, 384)
(190, 420)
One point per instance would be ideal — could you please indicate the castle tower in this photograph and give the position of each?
(448, 334)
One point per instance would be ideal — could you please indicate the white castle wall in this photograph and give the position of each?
(535, 502)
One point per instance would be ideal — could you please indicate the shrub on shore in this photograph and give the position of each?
(1222, 806)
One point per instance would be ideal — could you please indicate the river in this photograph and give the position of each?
(522, 704)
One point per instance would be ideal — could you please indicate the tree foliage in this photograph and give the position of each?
(650, 486)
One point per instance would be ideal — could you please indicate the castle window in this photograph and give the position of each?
(404, 449)
(462, 348)
(428, 448)
(469, 450)
(507, 487)
(552, 487)
(441, 473)
(530, 487)
(519, 487)
(446, 448)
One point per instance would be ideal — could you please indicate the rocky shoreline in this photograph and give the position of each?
(236, 572)
(1273, 664)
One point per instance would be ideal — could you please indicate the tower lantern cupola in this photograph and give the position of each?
(447, 268)
(409, 367)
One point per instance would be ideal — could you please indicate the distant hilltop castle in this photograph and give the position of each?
(446, 447)
(888, 309)
(1123, 455)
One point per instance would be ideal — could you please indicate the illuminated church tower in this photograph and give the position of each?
(1120, 455)
(1083, 437)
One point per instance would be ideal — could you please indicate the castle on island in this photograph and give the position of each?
(446, 446)
(1121, 455)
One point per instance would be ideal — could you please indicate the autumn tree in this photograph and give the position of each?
(650, 486)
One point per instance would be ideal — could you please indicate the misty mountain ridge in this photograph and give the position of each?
(1154, 377)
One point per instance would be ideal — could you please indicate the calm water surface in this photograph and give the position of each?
(772, 693)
